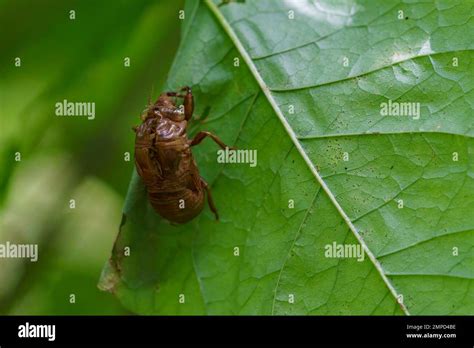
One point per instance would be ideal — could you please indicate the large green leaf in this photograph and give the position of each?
(306, 95)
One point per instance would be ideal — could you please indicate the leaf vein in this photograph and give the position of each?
(228, 29)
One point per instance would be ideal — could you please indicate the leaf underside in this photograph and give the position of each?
(322, 143)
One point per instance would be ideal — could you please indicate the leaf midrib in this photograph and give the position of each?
(265, 89)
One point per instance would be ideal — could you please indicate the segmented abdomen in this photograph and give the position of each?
(179, 206)
(172, 179)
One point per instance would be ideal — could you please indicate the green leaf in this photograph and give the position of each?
(307, 95)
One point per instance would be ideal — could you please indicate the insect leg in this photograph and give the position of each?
(201, 135)
(188, 102)
(212, 206)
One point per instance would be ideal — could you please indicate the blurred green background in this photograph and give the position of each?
(65, 158)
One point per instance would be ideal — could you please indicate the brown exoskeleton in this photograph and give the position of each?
(164, 160)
